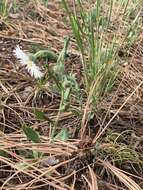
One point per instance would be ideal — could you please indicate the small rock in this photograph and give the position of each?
(50, 161)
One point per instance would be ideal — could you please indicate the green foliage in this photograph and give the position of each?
(22, 166)
(46, 54)
(35, 138)
(31, 134)
(98, 55)
(65, 83)
(6, 6)
(62, 135)
(119, 150)
(4, 153)
(45, 2)
(99, 66)
(39, 115)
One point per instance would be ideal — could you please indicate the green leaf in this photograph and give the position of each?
(39, 115)
(36, 154)
(4, 154)
(22, 166)
(31, 134)
(64, 52)
(25, 153)
(62, 135)
(66, 94)
(59, 69)
(45, 54)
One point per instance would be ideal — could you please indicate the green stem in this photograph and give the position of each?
(57, 118)
(46, 54)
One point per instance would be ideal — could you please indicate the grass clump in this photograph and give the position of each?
(99, 44)
(98, 52)
(5, 7)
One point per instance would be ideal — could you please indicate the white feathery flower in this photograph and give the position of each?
(34, 70)
(24, 59)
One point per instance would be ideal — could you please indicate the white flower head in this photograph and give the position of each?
(24, 59)
(34, 70)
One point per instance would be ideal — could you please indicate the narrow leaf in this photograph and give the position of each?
(31, 134)
(62, 135)
(40, 115)
(4, 154)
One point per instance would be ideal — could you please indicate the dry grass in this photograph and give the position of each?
(96, 162)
